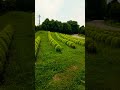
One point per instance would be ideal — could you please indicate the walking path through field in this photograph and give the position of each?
(76, 35)
(102, 24)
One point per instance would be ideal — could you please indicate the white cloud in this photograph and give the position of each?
(79, 15)
(47, 8)
(62, 10)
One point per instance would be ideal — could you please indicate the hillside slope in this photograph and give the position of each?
(19, 72)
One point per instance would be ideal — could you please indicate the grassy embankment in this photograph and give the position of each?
(59, 70)
(19, 71)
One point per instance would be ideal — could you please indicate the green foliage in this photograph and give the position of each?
(74, 26)
(21, 55)
(113, 10)
(90, 45)
(37, 44)
(108, 40)
(5, 40)
(3, 45)
(73, 39)
(95, 9)
(98, 37)
(82, 30)
(58, 48)
(59, 71)
(54, 43)
(69, 27)
(115, 42)
(67, 42)
(103, 36)
(2, 60)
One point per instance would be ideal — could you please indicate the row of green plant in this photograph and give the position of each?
(73, 39)
(90, 45)
(105, 37)
(67, 42)
(37, 45)
(114, 33)
(54, 43)
(6, 36)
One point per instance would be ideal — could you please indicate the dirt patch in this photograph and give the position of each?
(56, 77)
(73, 68)
(61, 77)
(76, 35)
(65, 76)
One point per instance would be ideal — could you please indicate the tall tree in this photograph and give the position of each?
(95, 9)
(67, 28)
(74, 26)
(113, 10)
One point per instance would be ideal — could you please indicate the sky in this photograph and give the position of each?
(61, 10)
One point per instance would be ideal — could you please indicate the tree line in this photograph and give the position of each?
(69, 27)
(100, 9)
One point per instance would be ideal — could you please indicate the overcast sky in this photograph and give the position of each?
(62, 10)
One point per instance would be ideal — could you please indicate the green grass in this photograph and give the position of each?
(103, 68)
(19, 72)
(113, 23)
(81, 35)
(59, 71)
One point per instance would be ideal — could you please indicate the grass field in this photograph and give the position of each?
(102, 67)
(59, 70)
(19, 71)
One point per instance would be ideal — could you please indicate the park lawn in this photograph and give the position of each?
(59, 71)
(103, 67)
(19, 71)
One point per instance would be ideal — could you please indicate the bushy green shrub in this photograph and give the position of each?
(108, 40)
(3, 45)
(91, 48)
(73, 39)
(103, 37)
(5, 37)
(90, 45)
(9, 31)
(58, 48)
(67, 42)
(5, 40)
(93, 34)
(115, 42)
(54, 43)
(2, 60)
(37, 44)
(98, 37)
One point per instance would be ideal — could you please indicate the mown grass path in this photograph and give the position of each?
(58, 71)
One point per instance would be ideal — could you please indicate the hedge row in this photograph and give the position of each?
(102, 31)
(6, 36)
(90, 45)
(106, 38)
(75, 40)
(57, 47)
(37, 44)
(67, 42)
